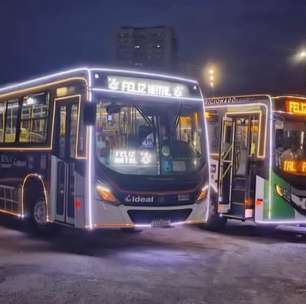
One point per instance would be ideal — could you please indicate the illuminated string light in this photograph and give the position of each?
(208, 201)
(39, 177)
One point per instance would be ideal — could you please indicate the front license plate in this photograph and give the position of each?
(160, 223)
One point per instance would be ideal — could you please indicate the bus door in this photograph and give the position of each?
(226, 164)
(66, 120)
(237, 174)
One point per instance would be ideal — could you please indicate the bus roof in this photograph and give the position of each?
(221, 100)
(229, 100)
(88, 72)
(282, 97)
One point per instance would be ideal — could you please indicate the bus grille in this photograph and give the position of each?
(149, 216)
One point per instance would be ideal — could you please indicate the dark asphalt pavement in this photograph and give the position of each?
(183, 265)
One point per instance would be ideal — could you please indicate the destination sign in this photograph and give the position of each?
(147, 87)
(295, 167)
(296, 107)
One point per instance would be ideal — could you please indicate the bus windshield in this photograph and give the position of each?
(290, 144)
(149, 138)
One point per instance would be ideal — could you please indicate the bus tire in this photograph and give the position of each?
(38, 218)
(36, 207)
(39, 213)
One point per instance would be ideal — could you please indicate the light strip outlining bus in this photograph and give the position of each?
(258, 159)
(104, 148)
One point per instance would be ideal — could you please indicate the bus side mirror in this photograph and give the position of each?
(90, 113)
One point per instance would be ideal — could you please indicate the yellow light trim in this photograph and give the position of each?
(35, 175)
(10, 213)
(43, 86)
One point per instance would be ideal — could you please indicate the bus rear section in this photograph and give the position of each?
(253, 177)
(104, 148)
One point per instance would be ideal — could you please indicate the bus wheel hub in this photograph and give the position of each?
(40, 213)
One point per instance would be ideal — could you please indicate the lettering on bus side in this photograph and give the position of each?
(230, 100)
(220, 101)
(10, 161)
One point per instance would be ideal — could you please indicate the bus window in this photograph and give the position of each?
(149, 140)
(73, 129)
(2, 120)
(212, 118)
(34, 119)
(62, 135)
(290, 148)
(254, 136)
(11, 121)
(121, 131)
(188, 131)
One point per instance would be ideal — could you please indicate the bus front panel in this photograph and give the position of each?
(150, 161)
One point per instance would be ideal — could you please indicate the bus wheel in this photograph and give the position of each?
(39, 218)
(214, 221)
(39, 213)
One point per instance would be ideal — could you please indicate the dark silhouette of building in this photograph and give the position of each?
(147, 47)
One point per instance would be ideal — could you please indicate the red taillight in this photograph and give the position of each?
(77, 204)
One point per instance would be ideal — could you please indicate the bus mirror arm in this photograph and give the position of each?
(90, 113)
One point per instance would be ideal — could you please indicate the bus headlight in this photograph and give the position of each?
(282, 192)
(105, 194)
(203, 194)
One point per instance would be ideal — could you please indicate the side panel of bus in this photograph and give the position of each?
(43, 151)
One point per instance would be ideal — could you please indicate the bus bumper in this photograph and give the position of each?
(106, 215)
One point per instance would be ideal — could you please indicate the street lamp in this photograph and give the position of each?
(301, 56)
(300, 60)
(211, 76)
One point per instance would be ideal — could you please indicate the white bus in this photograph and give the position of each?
(104, 148)
(258, 159)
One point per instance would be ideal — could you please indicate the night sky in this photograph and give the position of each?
(252, 41)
